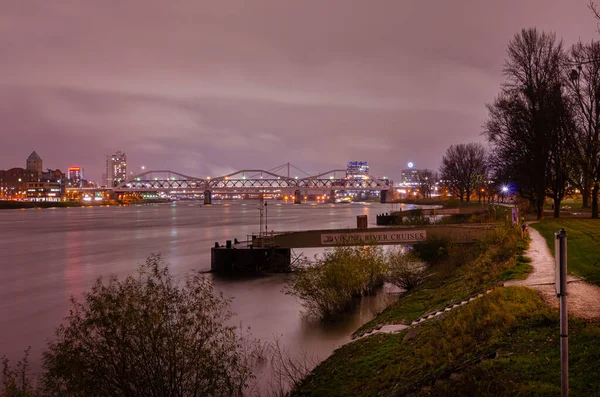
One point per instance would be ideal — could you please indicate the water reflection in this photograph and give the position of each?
(49, 255)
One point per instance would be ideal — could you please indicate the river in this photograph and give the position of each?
(48, 255)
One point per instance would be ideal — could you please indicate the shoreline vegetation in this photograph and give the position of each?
(505, 342)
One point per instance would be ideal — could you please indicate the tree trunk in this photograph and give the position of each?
(585, 196)
(595, 200)
(539, 206)
(556, 207)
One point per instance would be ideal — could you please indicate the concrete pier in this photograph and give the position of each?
(230, 260)
(297, 197)
(207, 197)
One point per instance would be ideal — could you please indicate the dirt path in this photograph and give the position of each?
(583, 299)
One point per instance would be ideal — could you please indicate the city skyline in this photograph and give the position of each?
(206, 89)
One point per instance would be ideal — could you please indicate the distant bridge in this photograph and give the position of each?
(250, 181)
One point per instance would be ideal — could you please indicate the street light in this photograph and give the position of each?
(504, 191)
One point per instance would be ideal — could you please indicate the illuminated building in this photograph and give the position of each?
(49, 187)
(409, 175)
(75, 177)
(13, 183)
(116, 169)
(357, 169)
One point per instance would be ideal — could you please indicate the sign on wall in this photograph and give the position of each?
(388, 237)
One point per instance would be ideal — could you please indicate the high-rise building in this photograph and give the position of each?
(116, 169)
(409, 175)
(357, 169)
(75, 177)
(34, 164)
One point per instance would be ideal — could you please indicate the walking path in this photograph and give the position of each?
(583, 299)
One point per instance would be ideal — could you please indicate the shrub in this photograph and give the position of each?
(328, 286)
(404, 269)
(432, 250)
(147, 336)
(416, 217)
(16, 381)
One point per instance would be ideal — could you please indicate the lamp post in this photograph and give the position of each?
(266, 219)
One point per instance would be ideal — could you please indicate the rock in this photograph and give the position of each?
(454, 376)
(439, 382)
(411, 334)
(378, 327)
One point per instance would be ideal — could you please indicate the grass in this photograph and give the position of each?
(574, 202)
(464, 272)
(583, 249)
(505, 343)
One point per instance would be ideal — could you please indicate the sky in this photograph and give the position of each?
(208, 87)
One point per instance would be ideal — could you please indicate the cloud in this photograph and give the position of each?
(205, 88)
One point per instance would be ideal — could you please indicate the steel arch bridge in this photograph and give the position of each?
(248, 181)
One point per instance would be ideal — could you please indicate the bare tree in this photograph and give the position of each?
(426, 180)
(529, 122)
(583, 88)
(463, 168)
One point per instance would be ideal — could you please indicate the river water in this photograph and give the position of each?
(48, 255)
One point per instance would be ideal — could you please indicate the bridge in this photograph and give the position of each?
(251, 181)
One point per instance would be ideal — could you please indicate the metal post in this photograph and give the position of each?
(564, 320)
(260, 210)
(266, 219)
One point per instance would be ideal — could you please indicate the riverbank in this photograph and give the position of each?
(15, 205)
(463, 341)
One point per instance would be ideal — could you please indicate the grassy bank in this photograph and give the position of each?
(454, 353)
(459, 272)
(505, 343)
(583, 252)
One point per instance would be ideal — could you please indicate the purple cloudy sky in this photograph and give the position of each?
(206, 87)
